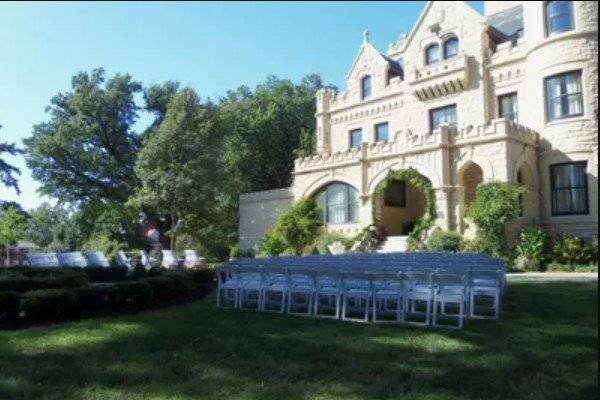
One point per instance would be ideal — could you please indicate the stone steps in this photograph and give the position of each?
(394, 244)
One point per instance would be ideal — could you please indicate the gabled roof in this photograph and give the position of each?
(507, 24)
(394, 65)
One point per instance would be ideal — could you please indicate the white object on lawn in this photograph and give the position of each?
(96, 259)
(169, 260)
(72, 259)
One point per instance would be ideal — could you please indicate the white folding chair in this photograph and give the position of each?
(123, 260)
(169, 260)
(251, 287)
(356, 295)
(388, 291)
(418, 298)
(301, 289)
(275, 289)
(72, 259)
(328, 293)
(450, 296)
(485, 289)
(228, 285)
(192, 260)
(96, 259)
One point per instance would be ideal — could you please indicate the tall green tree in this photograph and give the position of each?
(87, 148)
(157, 98)
(178, 166)
(44, 224)
(7, 171)
(12, 228)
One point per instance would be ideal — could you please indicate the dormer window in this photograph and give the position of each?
(365, 87)
(432, 54)
(450, 48)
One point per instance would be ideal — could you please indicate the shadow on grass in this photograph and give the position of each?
(545, 347)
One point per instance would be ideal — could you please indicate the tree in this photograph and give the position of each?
(44, 223)
(178, 166)
(87, 149)
(6, 170)
(157, 98)
(12, 228)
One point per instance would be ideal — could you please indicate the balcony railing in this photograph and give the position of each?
(440, 79)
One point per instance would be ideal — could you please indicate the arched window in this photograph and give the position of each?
(365, 87)
(432, 54)
(559, 16)
(450, 48)
(338, 202)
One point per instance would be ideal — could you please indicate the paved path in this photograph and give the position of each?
(552, 276)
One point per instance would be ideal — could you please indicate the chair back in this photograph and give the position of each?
(123, 260)
(298, 276)
(40, 260)
(417, 278)
(72, 259)
(445, 281)
(97, 259)
(144, 259)
(169, 260)
(327, 278)
(362, 280)
(192, 259)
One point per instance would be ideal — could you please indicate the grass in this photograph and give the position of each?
(545, 347)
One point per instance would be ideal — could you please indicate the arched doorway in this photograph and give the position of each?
(470, 178)
(402, 201)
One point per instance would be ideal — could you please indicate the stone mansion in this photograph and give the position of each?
(463, 99)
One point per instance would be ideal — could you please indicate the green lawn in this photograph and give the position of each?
(545, 347)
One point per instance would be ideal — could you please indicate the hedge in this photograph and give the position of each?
(10, 303)
(60, 280)
(49, 304)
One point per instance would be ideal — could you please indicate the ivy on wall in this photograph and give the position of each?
(412, 176)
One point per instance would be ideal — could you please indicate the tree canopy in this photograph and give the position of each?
(7, 171)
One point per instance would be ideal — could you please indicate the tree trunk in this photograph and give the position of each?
(173, 233)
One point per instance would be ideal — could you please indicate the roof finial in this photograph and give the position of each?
(365, 36)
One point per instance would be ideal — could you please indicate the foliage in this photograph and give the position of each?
(370, 238)
(591, 251)
(178, 166)
(237, 252)
(157, 98)
(49, 304)
(533, 245)
(495, 204)
(444, 241)
(295, 229)
(13, 226)
(44, 224)
(10, 302)
(325, 239)
(103, 274)
(104, 244)
(163, 287)
(87, 148)
(8, 171)
(568, 249)
(21, 281)
(411, 175)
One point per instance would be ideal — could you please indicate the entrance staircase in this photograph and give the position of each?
(393, 244)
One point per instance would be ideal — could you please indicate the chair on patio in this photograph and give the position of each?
(72, 259)
(169, 260)
(96, 259)
(192, 260)
(123, 260)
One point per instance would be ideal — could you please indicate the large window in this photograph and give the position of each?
(432, 54)
(365, 87)
(508, 107)
(381, 132)
(564, 96)
(443, 115)
(450, 48)
(355, 138)
(338, 203)
(559, 16)
(569, 188)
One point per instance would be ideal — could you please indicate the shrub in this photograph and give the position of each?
(129, 295)
(60, 279)
(568, 249)
(495, 204)
(164, 288)
(295, 229)
(237, 252)
(110, 274)
(559, 267)
(591, 252)
(138, 272)
(370, 238)
(49, 305)
(532, 248)
(91, 300)
(9, 305)
(325, 239)
(444, 241)
(183, 283)
(202, 275)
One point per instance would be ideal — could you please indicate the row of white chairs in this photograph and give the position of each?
(98, 259)
(419, 297)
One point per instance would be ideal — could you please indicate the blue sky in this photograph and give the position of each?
(212, 47)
